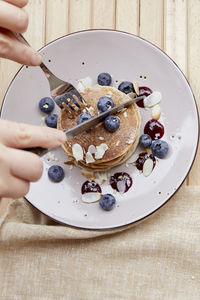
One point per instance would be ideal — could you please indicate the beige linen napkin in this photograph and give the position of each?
(156, 259)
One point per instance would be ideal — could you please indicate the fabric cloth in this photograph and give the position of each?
(158, 258)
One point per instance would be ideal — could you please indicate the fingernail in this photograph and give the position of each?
(36, 59)
(61, 136)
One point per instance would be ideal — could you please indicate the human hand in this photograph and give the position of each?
(19, 167)
(14, 18)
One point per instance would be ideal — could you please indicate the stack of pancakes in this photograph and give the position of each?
(120, 143)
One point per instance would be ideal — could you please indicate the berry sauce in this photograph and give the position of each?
(90, 186)
(155, 129)
(121, 182)
(143, 156)
(143, 91)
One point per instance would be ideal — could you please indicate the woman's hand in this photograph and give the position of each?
(14, 18)
(19, 167)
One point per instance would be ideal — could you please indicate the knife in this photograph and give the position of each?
(99, 118)
(89, 124)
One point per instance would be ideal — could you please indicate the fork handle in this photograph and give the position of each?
(44, 68)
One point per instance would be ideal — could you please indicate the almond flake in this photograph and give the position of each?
(152, 99)
(88, 174)
(89, 158)
(117, 143)
(121, 186)
(101, 149)
(136, 87)
(92, 149)
(155, 112)
(132, 159)
(147, 167)
(90, 110)
(131, 95)
(84, 83)
(91, 197)
(77, 152)
(101, 177)
(125, 114)
(101, 138)
(130, 141)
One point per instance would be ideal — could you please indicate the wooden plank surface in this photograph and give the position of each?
(173, 25)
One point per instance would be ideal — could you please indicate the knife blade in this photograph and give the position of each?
(70, 133)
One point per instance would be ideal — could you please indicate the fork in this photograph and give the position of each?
(64, 94)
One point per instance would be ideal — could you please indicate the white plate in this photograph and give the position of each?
(125, 57)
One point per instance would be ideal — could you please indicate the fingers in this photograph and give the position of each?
(25, 165)
(13, 17)
(13, 49)
(17, 188)
(19, 3)
(18, 135)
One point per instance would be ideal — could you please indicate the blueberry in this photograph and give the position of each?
(51, 120)
(104, 79)
(56, 173)
(159, 148)
(145, 140)
(46, 105)
(126, 87)
(112, 123)
(104, 103)
(83, 117)
(107, 201)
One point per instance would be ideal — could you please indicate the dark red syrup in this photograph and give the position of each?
(143, 156)
(143, 91)
(125, 180)
(155, 129)
(90, 186)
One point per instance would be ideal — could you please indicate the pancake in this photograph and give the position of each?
(120, 143)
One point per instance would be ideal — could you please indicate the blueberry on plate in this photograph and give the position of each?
(46, 105)
(105, 103)
(159, 148)
(112, 123)
(56, 173)
(107, 201)
(145, 140)
(104, 79)
(83, 117)
(51, 120)
(126, 87)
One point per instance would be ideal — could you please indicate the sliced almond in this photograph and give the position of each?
(121, 186)
(156, 112)
(125, 114)
(130, 141)
(152, 99)
(101, 138)
(91, 197)
(77, 152)
(101, 149)
(89, 158)
(147, 167)
(132, 95)
(92, 149)
(88, 174)
(132, 158)
(91, 110)
(136, 87)
(117, 143)
(101, 177)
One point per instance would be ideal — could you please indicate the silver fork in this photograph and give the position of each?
(64, 94)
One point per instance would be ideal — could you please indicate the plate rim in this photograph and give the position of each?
(198, 133)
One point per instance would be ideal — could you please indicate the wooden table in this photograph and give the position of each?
(172, 25)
